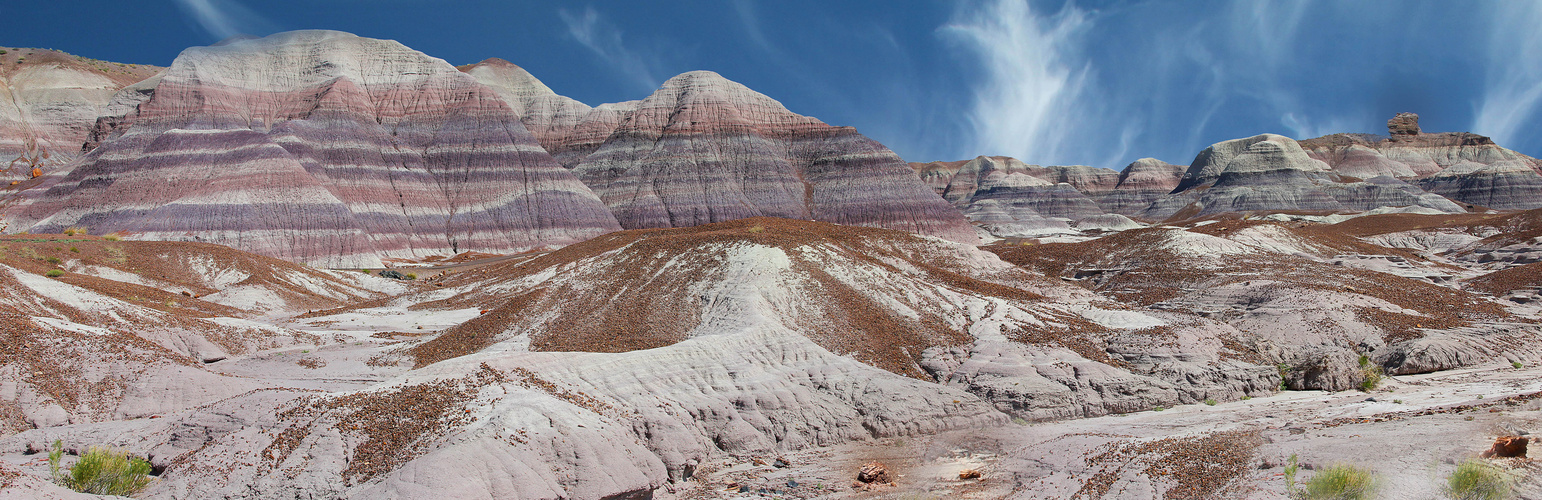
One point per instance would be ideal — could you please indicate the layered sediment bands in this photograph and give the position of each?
(704, 149)
(1270, 173)
(1073, 191)
(320, 147)
(566, 128)
(48, 102)
(1465, 167)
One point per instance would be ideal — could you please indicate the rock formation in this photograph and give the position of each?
(1464, 167)
(320, 147)
(705, 149)
(1404, 124)
(48, 102)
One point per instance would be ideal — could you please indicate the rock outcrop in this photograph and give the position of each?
(48, 103)
(320, 147)
(705, 149)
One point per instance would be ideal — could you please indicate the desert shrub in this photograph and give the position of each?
(1341, 482)
(54, 273)
(1210, 402)
(101, 471)
(112, 237)
(412, 276)
(74, 230)
(1370, 374)
(1478, 480)
(74, 250)
(1516, 364)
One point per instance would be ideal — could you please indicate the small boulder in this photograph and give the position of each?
(1507, 447)
(874, 472)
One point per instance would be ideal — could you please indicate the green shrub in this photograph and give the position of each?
(412, 276)
(1210, 402)
(101, 471)
(1370, 375)
(1516, 364)
(1341, 482)
(1478, 480)
(52, 260)
(112, 237)
(75, 250)
(54, 273)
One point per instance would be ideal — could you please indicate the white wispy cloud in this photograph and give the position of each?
(1034, 79)
(225, 18)
(1513, 92)
(592, 31)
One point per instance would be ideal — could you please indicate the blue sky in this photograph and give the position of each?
(1100, 83)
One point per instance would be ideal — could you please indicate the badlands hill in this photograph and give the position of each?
(1442, 172)
(49, 101)
(332, 149)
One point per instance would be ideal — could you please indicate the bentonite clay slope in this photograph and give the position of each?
(1465, 167)
(48, 103)
(612, 366)
(98, 330)
(321, 147)
(1314, 298)
(704, 149)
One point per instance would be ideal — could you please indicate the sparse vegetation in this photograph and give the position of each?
(1341, 482)
(1370, 374)
(1159, 408)
(52, 260)
(412, 276)
(74, 230)
(116, 255)
(756, 228)
(112, 237)
(1284, 370)
(101, 471)
(74, 250)
(1245, 398)
(1291, 467)
(1019, 421)
(1516, 364)
(1476, 479)
(1210, 402)
(54, 273)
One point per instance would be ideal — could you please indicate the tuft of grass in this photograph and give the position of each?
(52, 260)
(1341, 482)
(1476, 479)
(1159, 408)
(101, 471)
(54, 273)
(1019, 421)
(74, 250)
(117, 255)
(1210, 402)
(412, 276)
(1291, 467)
(112, 237)
(1370, 374)
(1516, 364)
(74, 230)
(756, 228)
(1245, 398)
